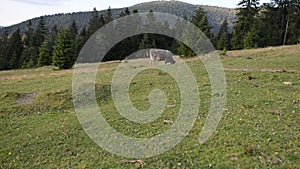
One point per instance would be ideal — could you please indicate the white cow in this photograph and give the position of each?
(160, 55)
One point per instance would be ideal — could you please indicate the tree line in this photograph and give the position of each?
(271, 24)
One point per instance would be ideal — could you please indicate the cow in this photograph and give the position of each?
(160, 55)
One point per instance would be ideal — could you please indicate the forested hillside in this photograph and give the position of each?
(216, 15)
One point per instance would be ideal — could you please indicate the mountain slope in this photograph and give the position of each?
(216, 15)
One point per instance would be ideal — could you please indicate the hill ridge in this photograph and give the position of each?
(216, 15)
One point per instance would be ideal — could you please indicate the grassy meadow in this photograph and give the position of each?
(259, 128)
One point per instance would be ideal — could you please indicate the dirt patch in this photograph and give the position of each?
(259, 70)
(36, 75)
(26, 98)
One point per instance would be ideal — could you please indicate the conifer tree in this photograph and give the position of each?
(279, 23)
(41, 32)
(151, 25)
(102, 20)
(121, 14)
(82, 38)
(15, 49)
(64, 50)
(45, 57)
(288, 10)
(182, 49)
(268, 27)
(223, 39)
(73, 33)
(4, 43)
(135, 11)
(73, 29)
(46, 49)
(247, 19)
(200, 20)
(126, 46)
(52, 37)
(187, 35)
(94, 23)
(30, 50)
(294, 27)
(30, 55)
(127, 11)
(150, 20)
(28, 35)
(250, 39)
(108, 16)
(145, 43)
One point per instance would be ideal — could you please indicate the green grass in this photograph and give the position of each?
(259, 128)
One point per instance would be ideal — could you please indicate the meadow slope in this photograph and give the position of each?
(259, 128)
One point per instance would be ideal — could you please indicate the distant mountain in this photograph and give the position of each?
(216, 15)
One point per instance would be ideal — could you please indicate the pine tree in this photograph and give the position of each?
(294, 26)
(182, 49)
(200, 20)
(151, 24)
(108, 16)
(223, 39)
(52, 37)
(185, 51)
(127, 11)
(82, 38)
(145, 43)
(29, 58)
(268, 27)
(15, 49)
(94, 23)
(74, 32)
(73, 29)
(102, 20)
(64, 50)
(4, 43)
(46, 49)
(288, 10)
(177, 31)
(127, 46)
(162, 41)
(150, 21)
(135, 11)
(45, 58)
(247, 19)
(30, 50)
(41, 32)
(187, 35)
(250, 39)
(122, 14)
(30, 55)
(28, 35)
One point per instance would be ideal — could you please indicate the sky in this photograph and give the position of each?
(16, 11)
